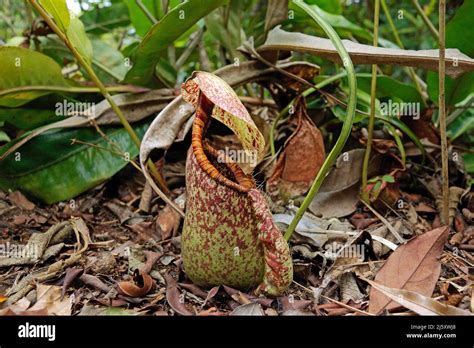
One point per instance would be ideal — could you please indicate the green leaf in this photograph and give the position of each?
(342, 25)
(469, 163)
(4, 137)
(20, 67)
(78, 38)
(463, 124)
(109, 62)
(51, 169)
(162, 34)
(459, 34)
(59, 11)
(330, 6)
(26, 118)
(139, 20)
(388, 178)
(389, 87)
(101, 20)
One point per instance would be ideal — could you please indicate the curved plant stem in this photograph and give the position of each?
(442, 112)
(399, 142)
(108, 97)
(373, 93)
(306, 93)
(346, 127)
(425, 18)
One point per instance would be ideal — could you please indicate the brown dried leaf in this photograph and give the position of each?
(18, 199)
(301, 159)
(413, 266)
(167, 222)
(416, 302)
(49, 299)
(253, 309)
(457, 63)
(174, 297)
(339, 193)
(142, 284)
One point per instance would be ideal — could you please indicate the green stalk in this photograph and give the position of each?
(347, 125)
(425, 18)
(306, 93)
(108, 97)
(442, 112)
(399, 42)
(373, 92)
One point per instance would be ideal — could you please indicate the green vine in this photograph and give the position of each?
(347, 125)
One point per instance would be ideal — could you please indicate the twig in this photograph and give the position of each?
(373, 92)
(146, 12)
(442, 112)
(425, 18)
(389, 226)
(411, 71)
(108, 97)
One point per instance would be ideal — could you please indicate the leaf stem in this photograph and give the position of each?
(347, 125)
(410, 70)
(425, 18)
(442, 111)
(373, 93)
(108, 97)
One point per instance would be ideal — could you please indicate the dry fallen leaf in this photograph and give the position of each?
(167, 222)
(339, 193)
(457, 63)
(301, 159)
(413, 266)
(253, 309)
(49, 299)
(173, 296)
(418, 303)
(142, 284)
(17, 198)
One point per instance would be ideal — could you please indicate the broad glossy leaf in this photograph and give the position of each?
(27, 118)
(51, 169)
(19, 68)
(59, 11)
(77, 35)
(139, 20)
(459, 34)
(162, 34)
